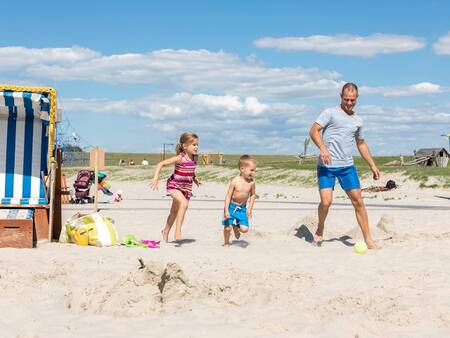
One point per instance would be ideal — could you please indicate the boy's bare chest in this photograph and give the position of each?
(243, 186)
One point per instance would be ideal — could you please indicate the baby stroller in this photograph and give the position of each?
(82, 186)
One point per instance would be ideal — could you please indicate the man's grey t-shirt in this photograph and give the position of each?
(340, 130)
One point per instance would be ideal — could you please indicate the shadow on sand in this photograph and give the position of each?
(304, 233)
(183, 241)
(240, 243)
(444, 197)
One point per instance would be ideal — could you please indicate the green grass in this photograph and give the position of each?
(270, 169)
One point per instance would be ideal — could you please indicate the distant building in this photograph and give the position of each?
(433, 157)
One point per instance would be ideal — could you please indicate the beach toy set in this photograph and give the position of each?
(131, 241)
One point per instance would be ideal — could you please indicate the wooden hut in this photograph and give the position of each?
(434, 157)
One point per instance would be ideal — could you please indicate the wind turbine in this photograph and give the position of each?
(447, 136)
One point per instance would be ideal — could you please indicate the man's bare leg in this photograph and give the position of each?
(326, 198)
(361, 216)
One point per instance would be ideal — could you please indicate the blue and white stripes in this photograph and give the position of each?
(23, 147)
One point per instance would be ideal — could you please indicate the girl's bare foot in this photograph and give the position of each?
(237, 233)
(165, 234)
(177, 237)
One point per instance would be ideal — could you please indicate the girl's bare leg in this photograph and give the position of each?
(170, 220)
(183, 204)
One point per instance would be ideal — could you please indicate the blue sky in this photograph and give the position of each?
(247, 76)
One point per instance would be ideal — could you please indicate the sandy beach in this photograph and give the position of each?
(271, 283)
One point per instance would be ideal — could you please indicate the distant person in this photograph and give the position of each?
(144, 162)
(335, 132)
(241, 190)
(179, 184)
(131, 162)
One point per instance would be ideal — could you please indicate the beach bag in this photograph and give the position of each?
(100, 230)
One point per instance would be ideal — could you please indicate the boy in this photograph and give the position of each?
(241, 190)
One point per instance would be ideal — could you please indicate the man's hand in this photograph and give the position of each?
(249, 213)
(376, 172)
(325, 155)
(226, 215)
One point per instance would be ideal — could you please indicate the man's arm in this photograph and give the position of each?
(363, 149)
(317, 139)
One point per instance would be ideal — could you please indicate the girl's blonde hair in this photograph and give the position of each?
(185, 138)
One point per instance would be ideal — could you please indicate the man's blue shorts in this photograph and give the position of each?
(238, 215)
(347, 177)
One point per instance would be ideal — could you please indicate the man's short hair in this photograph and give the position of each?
(349, 86)
(244, 160)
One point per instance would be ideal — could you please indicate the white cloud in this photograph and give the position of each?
(344, 44)
(180, 105)
(442, 45)
(231, 123)
(213, 117)
(421, 88)
(186, 70)
(15, 58)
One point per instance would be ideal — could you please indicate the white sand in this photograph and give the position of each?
(272, 283)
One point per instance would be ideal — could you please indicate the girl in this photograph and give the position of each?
(179, 184)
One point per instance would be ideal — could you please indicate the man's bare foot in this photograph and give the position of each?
(237, 233)
(165, 234)
(372, 246)
(226, 244)
(318, 238)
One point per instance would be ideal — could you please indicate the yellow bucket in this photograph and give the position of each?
(81, 236)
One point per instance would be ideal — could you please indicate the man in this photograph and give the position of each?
(341, 127)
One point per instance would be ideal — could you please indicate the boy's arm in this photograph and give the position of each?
(228, 199)
(363, 149)
(251, 200)
(172, 160)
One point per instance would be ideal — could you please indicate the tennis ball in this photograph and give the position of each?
(360, 248)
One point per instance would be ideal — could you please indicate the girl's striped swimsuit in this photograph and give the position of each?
(182, 177)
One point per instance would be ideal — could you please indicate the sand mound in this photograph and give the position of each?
(310, 222)
(382, 231)
(157, 288)
(135, 293)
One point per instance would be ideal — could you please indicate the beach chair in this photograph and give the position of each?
(27, 143)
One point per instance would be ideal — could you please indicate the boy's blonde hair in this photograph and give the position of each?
(244, 160)
(185, 138)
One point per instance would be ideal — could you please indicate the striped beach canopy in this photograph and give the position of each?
(24, 121)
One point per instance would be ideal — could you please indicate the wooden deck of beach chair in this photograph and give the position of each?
(27, 143)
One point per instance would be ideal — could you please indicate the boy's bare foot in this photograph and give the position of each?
(165, 234)
(237, 233)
